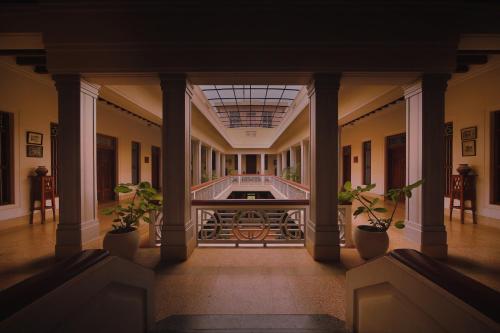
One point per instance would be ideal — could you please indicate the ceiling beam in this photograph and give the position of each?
(31, 60)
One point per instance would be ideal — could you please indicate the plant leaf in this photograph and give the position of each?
(400, 224)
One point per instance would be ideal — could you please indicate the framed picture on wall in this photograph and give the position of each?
(34, 151)
(469, 133)
(34, 138)
(469, 148)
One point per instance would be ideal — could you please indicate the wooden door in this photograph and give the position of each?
(396, 161)
(251, 164)
(346, 164)
(155, 167)
(106, 168)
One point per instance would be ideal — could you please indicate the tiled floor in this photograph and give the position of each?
(243, 281)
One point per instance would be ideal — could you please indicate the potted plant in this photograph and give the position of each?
(123, 240)
(372, 240)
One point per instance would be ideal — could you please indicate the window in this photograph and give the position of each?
(266, 162)
(367, 162)
(6, 158)
(287, 159)
(136, 162)
(495, 158)
(54, 154)
(448, 156)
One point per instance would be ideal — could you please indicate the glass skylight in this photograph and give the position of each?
(250, 105)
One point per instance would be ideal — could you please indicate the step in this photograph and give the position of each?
(281, 323)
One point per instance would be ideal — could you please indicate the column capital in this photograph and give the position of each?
(175, 81)
(435, 81)
(330, 81)
(65, 81)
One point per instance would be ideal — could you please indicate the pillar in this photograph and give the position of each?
(262, 164)
(292, 157)
(240, 171)
(223, 165)
(284, 163)
(304, 165)
(425, 101)
(178, 241)
(209, 163)
(197, 162)
(322, 236)
(78, 224)
(278, 164)
(217, 164)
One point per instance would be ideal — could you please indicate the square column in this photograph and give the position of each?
(178, 232)
(304, 165)
(262, 164)
(284, 163)
(322, 235)
(278, 164)
(240, 170)
(78, 224)
(223, 165)
(293, 158)
(197, 162)
(209, 163)
(425, 101)
(217, 163)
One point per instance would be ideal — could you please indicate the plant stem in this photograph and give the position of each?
(369, 210)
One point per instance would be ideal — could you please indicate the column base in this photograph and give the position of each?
(323, 244)
(179, 245)
(73, 238)
(430, 240)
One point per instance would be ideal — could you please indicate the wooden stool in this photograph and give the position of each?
(42, 189)
(463, 188)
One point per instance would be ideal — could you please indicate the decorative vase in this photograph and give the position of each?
(464, 169)
(41, 170)
(370, 241)
(123, 244)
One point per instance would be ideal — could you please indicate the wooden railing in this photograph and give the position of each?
(273, 216)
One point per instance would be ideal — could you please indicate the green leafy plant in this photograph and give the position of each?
(369, 206)
(127, 215)
(204, 177)
(292, 173)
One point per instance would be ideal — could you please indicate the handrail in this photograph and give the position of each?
(207, 184)
(470, 291)
(292, 183)
(257, 202)
(24, 293)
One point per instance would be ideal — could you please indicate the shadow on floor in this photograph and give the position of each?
(251, 323)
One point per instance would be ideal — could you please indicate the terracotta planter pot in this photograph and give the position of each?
(370, 242)
(122, 245)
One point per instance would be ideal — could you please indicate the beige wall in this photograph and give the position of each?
(33, 101)
(127, 129)
(375, 128)
(469, 103)
(32, 98)
(470, 98)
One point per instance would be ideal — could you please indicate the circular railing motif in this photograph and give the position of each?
(250, 225)
(289, 227)
(211, 225)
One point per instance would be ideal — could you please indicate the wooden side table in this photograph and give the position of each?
(463, 188)
(42, 189)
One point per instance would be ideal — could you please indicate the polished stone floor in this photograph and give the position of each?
(248, 281)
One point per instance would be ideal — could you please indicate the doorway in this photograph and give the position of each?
(396, 161)
(346, 164)
(251, 164)
(106, 168)
(155, 167)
